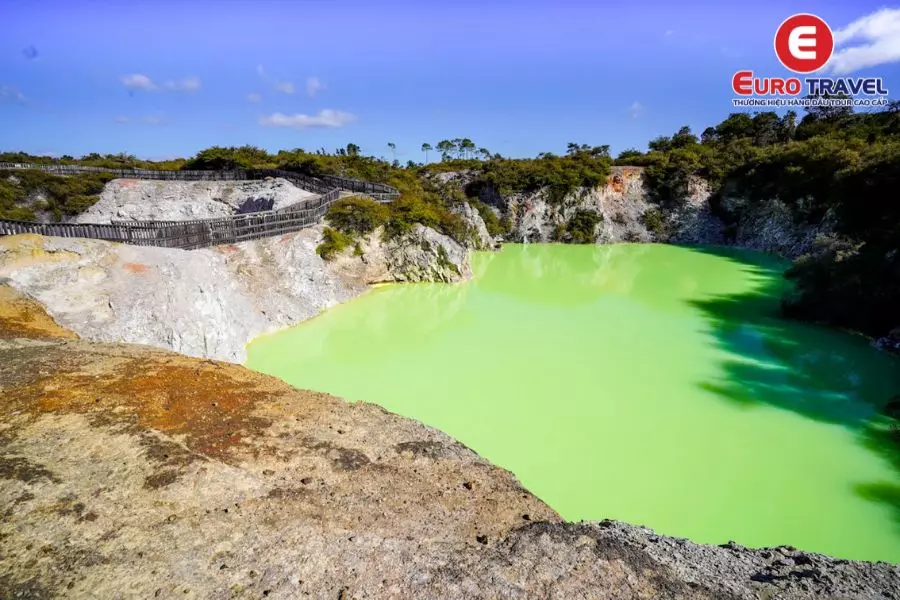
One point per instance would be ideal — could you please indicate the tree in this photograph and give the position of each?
(393, 148)
(352, 150)
(787, 127)
(766, 128)
(484, 153)
(829, 112)
(736, 126)
(466, 145)
(445, 147)
(628, 154)
(457, 146)
(683, 138)
(661, 144)
(426, 148)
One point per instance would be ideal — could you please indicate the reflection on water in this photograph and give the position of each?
(653, 384)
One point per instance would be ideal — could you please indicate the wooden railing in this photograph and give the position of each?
(203, 232)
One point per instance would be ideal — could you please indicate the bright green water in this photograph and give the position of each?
(651, 384)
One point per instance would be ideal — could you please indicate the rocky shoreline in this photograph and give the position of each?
(211, 302)
(134, 472)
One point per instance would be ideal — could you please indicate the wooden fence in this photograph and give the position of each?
(203, 232)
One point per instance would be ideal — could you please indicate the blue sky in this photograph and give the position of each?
(166, 78)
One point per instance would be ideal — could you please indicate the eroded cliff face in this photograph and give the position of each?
(209, 303)
(629, 215)
(130, 472)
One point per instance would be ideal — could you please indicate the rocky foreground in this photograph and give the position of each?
(130, 472)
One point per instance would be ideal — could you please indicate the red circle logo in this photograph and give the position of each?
(804, 43)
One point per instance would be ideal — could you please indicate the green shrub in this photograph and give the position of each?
(357, 215)
(454, 225)
(654, 222)
(221, 158)
(582, 227)
(408, 210)
(62, 195)
(559, 233)
(559, 175)
(494, 226)
(333, 243)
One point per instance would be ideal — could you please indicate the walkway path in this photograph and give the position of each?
(204, 232)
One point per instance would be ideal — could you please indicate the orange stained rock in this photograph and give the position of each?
(22, 317)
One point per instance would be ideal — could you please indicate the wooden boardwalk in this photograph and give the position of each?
(204, 232)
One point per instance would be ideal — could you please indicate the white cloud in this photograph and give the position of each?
(157, 119)
(8, 92)
(670, 32)
(325, 118)
(314, 85)
(188, 84)
(254, 97)
(877, 38)
(285, 87)
(122, 120)
(138, 81)
(635, 109)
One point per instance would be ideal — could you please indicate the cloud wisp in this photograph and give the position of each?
(314, 85)
(869, 41)
(188, 84)
(157, 119)
(143, 83)
(285, 87)
(254, 97)
(137, 81)
(151, 119)
(11, 94)
(635, 109)
(327, 118)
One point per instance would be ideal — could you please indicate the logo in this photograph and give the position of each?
(804, 43)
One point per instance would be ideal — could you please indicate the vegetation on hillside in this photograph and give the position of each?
(832, 165)
(333, 243)
(26, 193)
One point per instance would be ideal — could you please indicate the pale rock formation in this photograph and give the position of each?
(211, 302)
(137, 199)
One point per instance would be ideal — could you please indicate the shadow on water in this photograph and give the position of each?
(819, 373)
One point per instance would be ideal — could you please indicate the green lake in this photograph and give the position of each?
(651, 384)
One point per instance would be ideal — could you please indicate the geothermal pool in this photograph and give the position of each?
(651, 384)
